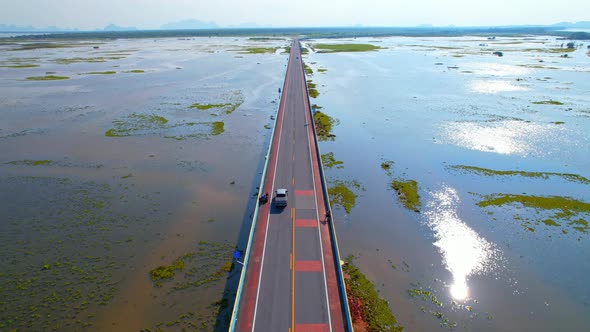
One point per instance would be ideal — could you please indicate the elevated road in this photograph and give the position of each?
(291, 280)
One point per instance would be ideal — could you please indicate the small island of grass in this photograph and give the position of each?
(29, 162)
(547, 102)
(342, 195)
(109, 72)
(23, 65)
(542, 175)
(47, 78)
(407, 192)
(323, 126)
(259, 50)
(333, 48)
(329, 161)
(217, 128)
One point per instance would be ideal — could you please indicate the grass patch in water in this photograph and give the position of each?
(567, 205)
(564, 208)
(136, 122)
(364, 300)
(67, 61)
(217, 128)
(342, 194)
(543, 175)
(558, 122)
(329, 161)
(323, 126)
(550, 50)
(24, 65)
(307, 69)
(547, 102)
(167, 272)
(136, 71)
(322, 70)
(259, 50)
(332, 48)
(109, 72)
(47, 78)
(407, 193)
(236, 100)
(31, 162)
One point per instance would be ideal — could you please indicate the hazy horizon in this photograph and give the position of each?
(153, 14)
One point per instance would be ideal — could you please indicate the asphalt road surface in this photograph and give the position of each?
(290, 283)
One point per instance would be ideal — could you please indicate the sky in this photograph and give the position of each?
(151, 14)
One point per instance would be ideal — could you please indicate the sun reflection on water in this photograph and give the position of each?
(464, 252)
(505, 137)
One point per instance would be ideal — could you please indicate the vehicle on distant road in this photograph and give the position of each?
(280, 198)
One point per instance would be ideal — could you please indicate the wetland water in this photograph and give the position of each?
(486, 250)
(139, 159)
(146, 157)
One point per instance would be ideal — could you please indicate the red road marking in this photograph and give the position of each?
(303, 192)
(311, 328)
(306, 223)
(308, 266)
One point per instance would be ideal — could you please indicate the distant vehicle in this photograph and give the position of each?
(281, 198)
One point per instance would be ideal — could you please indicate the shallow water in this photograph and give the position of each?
(430, 103)
(85, 217)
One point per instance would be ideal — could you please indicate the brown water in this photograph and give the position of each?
(85, 216)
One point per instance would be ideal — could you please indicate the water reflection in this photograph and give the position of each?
(505, 137)
(494, 86)
(495, 69)
(464, 252)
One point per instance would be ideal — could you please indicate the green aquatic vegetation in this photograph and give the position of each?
(23, 65)
(236, 100)
(344, 193)
(550, 222)
(386, 165)
(259, 50)
(136, 122)
(332, 48)
(136, 71)
(550, 50)
(304, 51)
(109, 72)
(59, 268)
(407, 192)
(580, 225)
(375, 311)
(543, 175)
(547, 102)
(67, 61)
(323, 126)
(217, 128)
(208, 106)
(425, 295)
(28, 162)
(329, 161)
(313, 93)
(563, 208)
(267, 126)
(47, 78)
(35, 46)
(307, 69)
(322, 70)
(167, 272)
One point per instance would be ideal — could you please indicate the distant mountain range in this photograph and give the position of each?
(193, 24)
